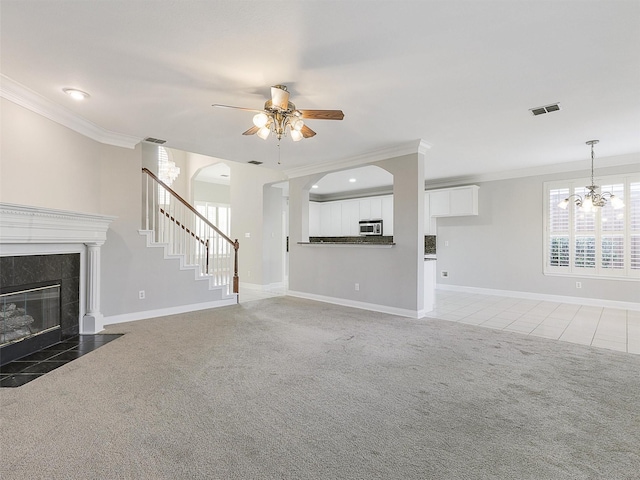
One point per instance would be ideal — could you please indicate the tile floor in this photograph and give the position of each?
(610, 328)
(25, 369)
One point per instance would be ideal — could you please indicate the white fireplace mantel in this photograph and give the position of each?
(27, 230)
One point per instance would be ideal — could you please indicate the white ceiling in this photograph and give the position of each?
(461, 75)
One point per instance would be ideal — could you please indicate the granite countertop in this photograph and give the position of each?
(384, 240)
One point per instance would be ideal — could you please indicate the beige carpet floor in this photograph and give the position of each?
(285, 388)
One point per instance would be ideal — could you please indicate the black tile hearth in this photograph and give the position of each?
(34, 365)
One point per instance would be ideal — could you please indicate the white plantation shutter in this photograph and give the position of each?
(612, 228)
(634, 226)
(605, 242)
(558, 241)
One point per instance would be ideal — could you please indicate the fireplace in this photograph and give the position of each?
(29, 320)
(39, 302)
(41, 247)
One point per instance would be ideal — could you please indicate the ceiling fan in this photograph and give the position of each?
(280, 114)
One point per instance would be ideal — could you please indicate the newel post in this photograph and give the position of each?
(236, 279)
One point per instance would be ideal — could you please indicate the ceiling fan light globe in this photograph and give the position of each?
(263, 133)
(296, 136)
(297, 124)
(260, 119)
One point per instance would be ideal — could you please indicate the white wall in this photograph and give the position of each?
(211, 192)
(273, 247)
(247, 210)
(45, 164)
(390, 278)
(502, 247)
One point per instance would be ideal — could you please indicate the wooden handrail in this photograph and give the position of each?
(235, 244)
(186, 204)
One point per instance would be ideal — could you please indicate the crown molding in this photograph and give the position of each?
(558, 168)
(27, 98)
(418, 146)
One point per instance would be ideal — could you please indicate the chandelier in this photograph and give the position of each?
(592, 200)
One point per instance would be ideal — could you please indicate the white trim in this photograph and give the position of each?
(418, 146)
(577, 166)
(27, 98)
(594, 302)
(163, 312)
(402, 312)
(256, 287)
(27, 224)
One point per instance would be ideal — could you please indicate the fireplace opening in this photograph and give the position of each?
(29, 319)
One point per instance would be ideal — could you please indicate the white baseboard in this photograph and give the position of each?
(261, 288)
(594, 302)
(402, 312)
(162, 312)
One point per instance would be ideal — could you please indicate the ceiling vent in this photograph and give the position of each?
(554, 107)
(255, 162)
(155, 140)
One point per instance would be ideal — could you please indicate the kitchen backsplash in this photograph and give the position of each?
(429, 244)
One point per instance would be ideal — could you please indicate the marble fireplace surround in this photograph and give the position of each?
(27, 230)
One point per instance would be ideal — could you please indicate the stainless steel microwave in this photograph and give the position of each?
(370, 227)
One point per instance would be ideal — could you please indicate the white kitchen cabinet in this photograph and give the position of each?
(439, 203)
(365, 209)
(340, 218)
(336, 219)
(387, 215)
(314, 219)
(376, 208)
(454, 202)
(350, 218)
(325, 219)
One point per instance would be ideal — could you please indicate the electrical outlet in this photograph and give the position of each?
(357, 287)
(141, 295)
(444, 274)
(446, 243)
(578, 284)
(247, 235)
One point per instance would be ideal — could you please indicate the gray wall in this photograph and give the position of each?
(45, 164)
(502, 247)
(211, 192)
(389, 277)
(273, 247)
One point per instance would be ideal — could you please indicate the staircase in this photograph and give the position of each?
(171, 223)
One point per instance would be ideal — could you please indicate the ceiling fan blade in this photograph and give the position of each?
(236, 108)
(251, 131)
(280, 97)
(322, 114)
(307, 132)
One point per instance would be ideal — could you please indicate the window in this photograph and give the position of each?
(167, 172)
(219, 215)
(603, 243)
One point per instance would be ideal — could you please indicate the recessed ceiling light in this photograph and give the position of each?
(314, 186)
(75, 93)
(352, 180)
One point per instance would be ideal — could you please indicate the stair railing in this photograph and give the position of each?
(187, 232)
